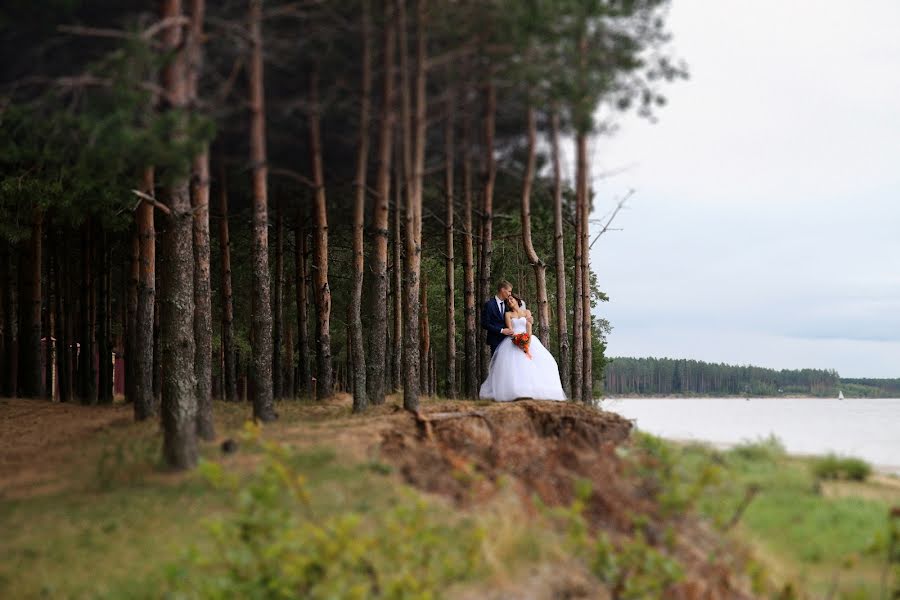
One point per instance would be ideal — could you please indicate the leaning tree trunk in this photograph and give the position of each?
(562, 331)
(145, 403)
(179, 381)
(324, 377)
(278, 304)
(304, 384)
(360, 399)
(540, 269)
(490, 177)
(450, 159)
(377, 364)
(261, 310)
(471, 368)
(582, 193)
(228, 351)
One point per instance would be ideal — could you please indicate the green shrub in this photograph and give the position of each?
(273, 545)
(836, 467)
(765, 449)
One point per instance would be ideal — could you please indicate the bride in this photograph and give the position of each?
(515, 374)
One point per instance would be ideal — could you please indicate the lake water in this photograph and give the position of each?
(864, 428)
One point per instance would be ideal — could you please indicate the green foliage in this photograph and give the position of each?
(274, 545)
(837, 467)
(625, 375)
(769, 449)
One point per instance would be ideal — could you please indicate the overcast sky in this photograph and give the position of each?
(765, 224)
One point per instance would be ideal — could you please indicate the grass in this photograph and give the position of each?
(806, 535)
(121, 528)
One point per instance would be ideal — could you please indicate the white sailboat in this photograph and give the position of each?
(840, 395)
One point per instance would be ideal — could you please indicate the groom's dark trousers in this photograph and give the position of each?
(493, 321)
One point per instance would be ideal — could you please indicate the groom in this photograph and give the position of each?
(492, 316)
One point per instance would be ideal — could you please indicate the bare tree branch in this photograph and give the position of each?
(609, 221)
(153, 201)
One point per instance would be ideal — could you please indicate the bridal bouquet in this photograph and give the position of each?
(523, 341)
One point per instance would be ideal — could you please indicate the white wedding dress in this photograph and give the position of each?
(513, 375)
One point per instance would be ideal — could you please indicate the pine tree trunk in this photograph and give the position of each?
(145, 400)
(87, 372)
(397, 276)
(584, 199)
(471, 368)
(287, 367)
(450, 160)
(578, 311)
(561, 326)
(49, 315)
(157, 341)
(304, 385)
(414, 155)
(378, 367)
(540, 269)
(134, 267)
(30, 325)
(424, 336)
(261, 309)
(63, 317)
(360, 398)
(324, 377)
(278, 304)
(7, 372)
(229, 366)
(104, 391)
(179, 381)
(490, 176)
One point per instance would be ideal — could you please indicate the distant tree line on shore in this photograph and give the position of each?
(661, 376)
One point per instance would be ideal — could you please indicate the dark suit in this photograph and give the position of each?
(493, 321)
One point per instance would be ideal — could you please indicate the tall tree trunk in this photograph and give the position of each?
(179, 381)
(414, 155)
(490, 176)
(287, 366)
(87, 373)
(63, 339)
(200, 203)
(424, 336)
(578, 311)
(278, 304)
(49, 315)
(145, 400)
(324, 377)
(157, 340)
(561, 326)
(584, 198)
(377, 365)
(104, 391)
(540, 269)
(228, 351)
(261, 311)
(7, 370)
(134, 274)
(471, 368)
(449, 161)
(397, 287)
(360, 398)
(30, 325)
(304, 384)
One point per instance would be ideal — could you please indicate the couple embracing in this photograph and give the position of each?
(520, 365)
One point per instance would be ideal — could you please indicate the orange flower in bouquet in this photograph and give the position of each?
(523, 341)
